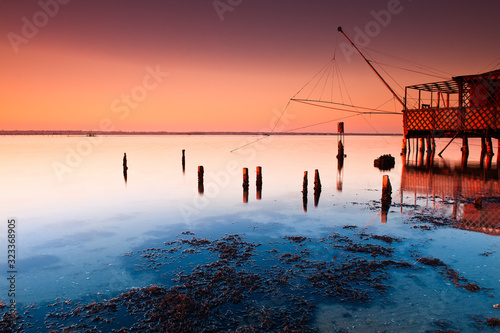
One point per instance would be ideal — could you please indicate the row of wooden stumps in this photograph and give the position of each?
(317, 189)
(246, 184)
(386, 185)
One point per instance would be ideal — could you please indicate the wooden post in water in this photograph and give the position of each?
(125, 167)
(465, 151)
(201, 172)
(340, 143)
(245, 185)
(483, 152)
(304, 192)
(317, 187)
(489, 146)
(386, 197)
(429, 145)
(259, 183)
(498, 154)
(183, 161)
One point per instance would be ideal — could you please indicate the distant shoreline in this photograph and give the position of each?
(126, 133)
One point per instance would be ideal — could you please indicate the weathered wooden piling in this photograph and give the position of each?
(489, 146)
(498, 154)
(125, 167)
(386, 197)
(245, 185)
(201, 172)
(430, 147)
(183, 161)
(422, 145)
(258, 183)
(403, 147)
(245, 178)
(340, 139)
(304, 192)
(317, 187)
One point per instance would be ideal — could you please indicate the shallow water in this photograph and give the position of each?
(80, 224)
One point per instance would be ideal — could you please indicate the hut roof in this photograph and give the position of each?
(452, 86)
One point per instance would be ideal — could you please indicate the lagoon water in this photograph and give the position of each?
(80, 223)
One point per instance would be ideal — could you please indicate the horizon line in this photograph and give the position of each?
(90, 133)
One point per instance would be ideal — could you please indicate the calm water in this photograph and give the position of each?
(79, 223)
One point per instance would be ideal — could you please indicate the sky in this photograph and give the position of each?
(229, 65)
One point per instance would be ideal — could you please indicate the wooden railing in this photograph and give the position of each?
(451, 119)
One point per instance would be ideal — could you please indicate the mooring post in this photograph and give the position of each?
(489, 146)
(340, 139)
(429, 144)
(125, 167)
(304, 192)
(201, 172)
(183, 161)
(386, 197)
(317, 187)
(245, 185)
(498, 153)
(403, 147)
(258, 183)
(245, 178)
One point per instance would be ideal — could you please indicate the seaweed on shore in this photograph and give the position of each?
(450, 274)
(232, 291)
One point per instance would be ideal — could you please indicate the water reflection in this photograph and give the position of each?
(340, 173)
(472, 188)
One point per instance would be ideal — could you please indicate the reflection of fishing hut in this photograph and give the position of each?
(464, 107)
(461, 184)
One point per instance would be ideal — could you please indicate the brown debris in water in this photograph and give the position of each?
(451, 274)
(229, 292)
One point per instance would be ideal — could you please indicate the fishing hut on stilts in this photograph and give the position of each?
(463, 107)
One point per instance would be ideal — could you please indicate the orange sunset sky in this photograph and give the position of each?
(225, 65)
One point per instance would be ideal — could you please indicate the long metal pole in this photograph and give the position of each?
(368, 62)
